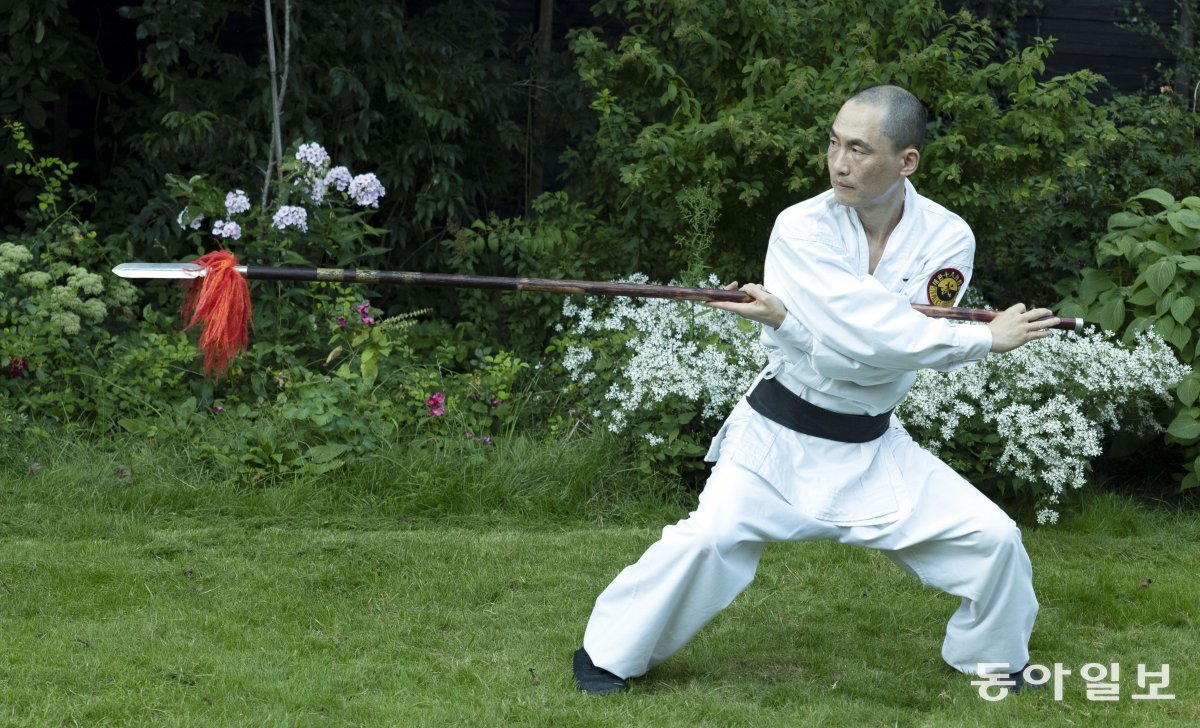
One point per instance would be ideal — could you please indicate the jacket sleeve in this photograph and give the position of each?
(826, 362)
(837, 314)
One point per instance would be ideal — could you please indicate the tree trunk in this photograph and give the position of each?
(538, 102)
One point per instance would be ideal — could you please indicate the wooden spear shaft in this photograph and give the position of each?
(541, 285)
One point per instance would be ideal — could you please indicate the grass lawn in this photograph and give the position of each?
(162, 601)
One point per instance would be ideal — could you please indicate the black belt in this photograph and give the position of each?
(780, 404)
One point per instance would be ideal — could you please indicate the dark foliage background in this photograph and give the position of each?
(510, 145)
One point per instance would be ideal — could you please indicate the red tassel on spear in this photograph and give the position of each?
(219, 301)
(219, 298)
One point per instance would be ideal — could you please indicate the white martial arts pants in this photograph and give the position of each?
(953, 538)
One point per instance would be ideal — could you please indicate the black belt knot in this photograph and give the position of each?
(783, 406)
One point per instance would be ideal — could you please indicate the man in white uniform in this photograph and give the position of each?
(812, 451)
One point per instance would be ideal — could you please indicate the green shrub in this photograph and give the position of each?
(737, 97)
(1148, 279)
(59, 317)
(429, 100)
(563, 240)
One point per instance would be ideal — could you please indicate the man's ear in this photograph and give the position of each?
(910, 159)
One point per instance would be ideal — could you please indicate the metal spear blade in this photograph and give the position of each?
(159, 270)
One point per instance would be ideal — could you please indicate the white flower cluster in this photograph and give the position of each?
(674, 348)
(1050, 402)
(291, 216)
(236, 202)
(184, 220)
(314, 155)
(366, 189)
(317, 178)
(338, 178)
(227, 229)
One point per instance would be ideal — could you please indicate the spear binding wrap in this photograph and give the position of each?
(218, 297)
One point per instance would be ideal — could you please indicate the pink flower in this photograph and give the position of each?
(17, 365)
(367, 321)
(217, 409)
(341, 321)
(436, 404)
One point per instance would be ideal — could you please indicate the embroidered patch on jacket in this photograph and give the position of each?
(944, 286)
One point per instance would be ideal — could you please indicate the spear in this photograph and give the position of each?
(217, 295)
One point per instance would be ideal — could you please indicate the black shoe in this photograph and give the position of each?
(595, 680)
(1020, 685)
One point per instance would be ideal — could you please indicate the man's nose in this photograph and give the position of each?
(837, 162)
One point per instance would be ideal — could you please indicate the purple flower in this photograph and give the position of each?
(227, 229)
(470, 435)
(497, 402)
(487, 439)
(291, 216)
(436, 403)
(317, 191)
(338, 177)
(217, 409)
(236, 203)
(341, 322)
(313, 154)
(367, 321)
(364, 308)
(366, 190)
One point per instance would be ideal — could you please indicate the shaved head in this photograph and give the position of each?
(904, 116)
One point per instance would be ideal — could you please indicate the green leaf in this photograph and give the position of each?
(1094, 283)
(1066, 308)
(1165, 328)
(1111, 315)
(370, 364)
(1190, 262)
(1183, 308)
(1184, 219)
(1189, 390)
(1124, 220)
(327, 452)
(1144, 297)
(1160, 274)
(1191, 241)
(1185, 427)
(1155, 194)
(1164, 304)
(669, 95)
(1180, 337)
(1158, 248)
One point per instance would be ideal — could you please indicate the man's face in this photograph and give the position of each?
(864, 169)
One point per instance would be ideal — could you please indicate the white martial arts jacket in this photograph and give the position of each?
(852, 343)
